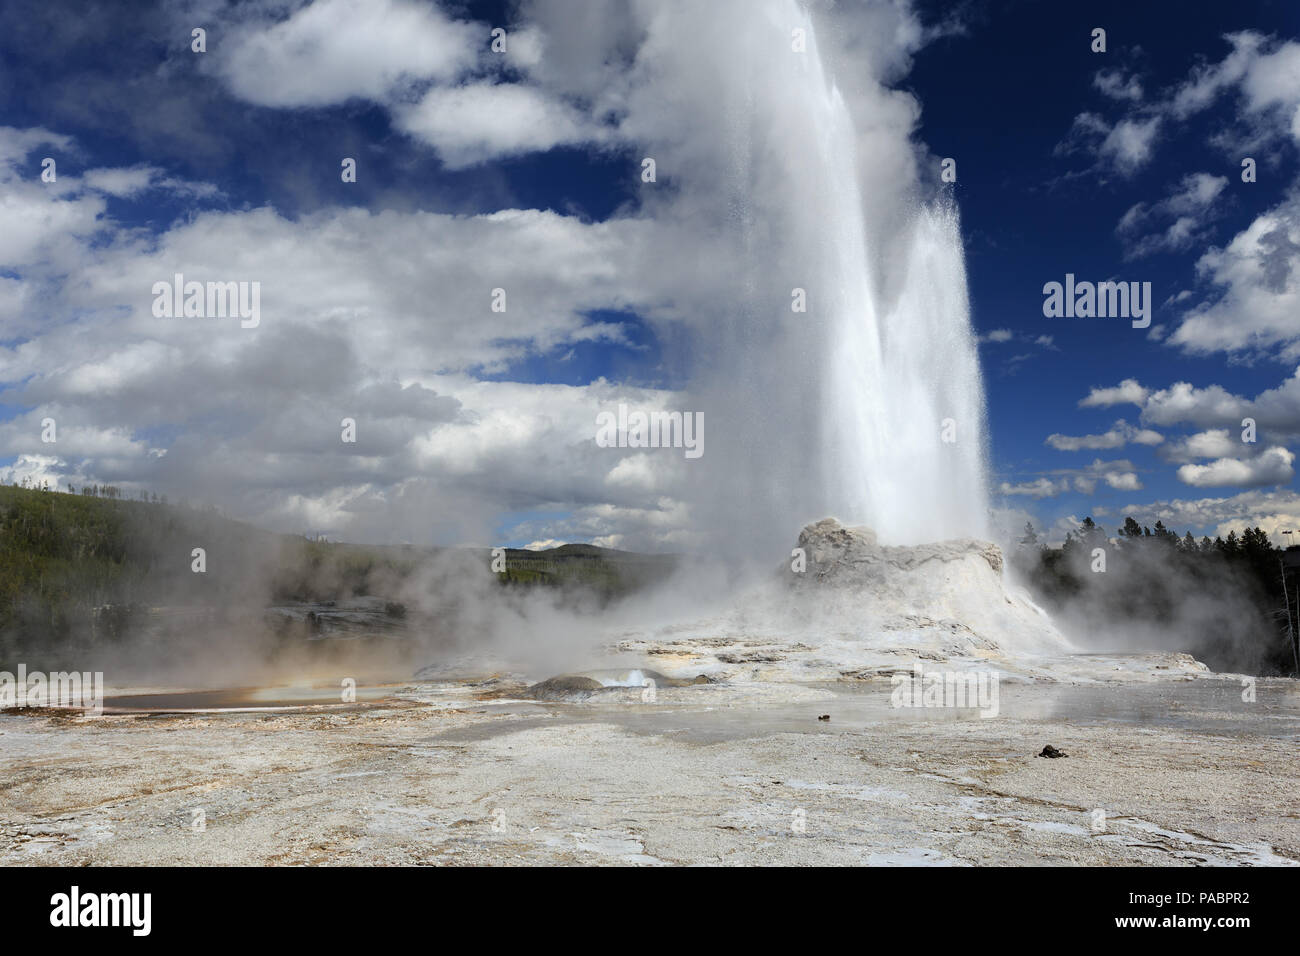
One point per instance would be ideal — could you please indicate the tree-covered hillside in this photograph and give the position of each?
(81, 568)
(1220, 600)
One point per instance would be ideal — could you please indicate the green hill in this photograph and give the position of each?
(76, 567)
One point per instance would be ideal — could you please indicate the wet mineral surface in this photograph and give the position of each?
(477, 771)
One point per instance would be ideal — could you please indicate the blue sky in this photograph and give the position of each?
(1033, 211)
(232, 157)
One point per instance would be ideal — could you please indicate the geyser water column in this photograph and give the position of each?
(904, 408)
(797, 165)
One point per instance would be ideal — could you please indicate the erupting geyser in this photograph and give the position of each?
(843, 374)
(905, 407)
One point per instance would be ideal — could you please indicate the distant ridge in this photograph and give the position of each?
(66, 558)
